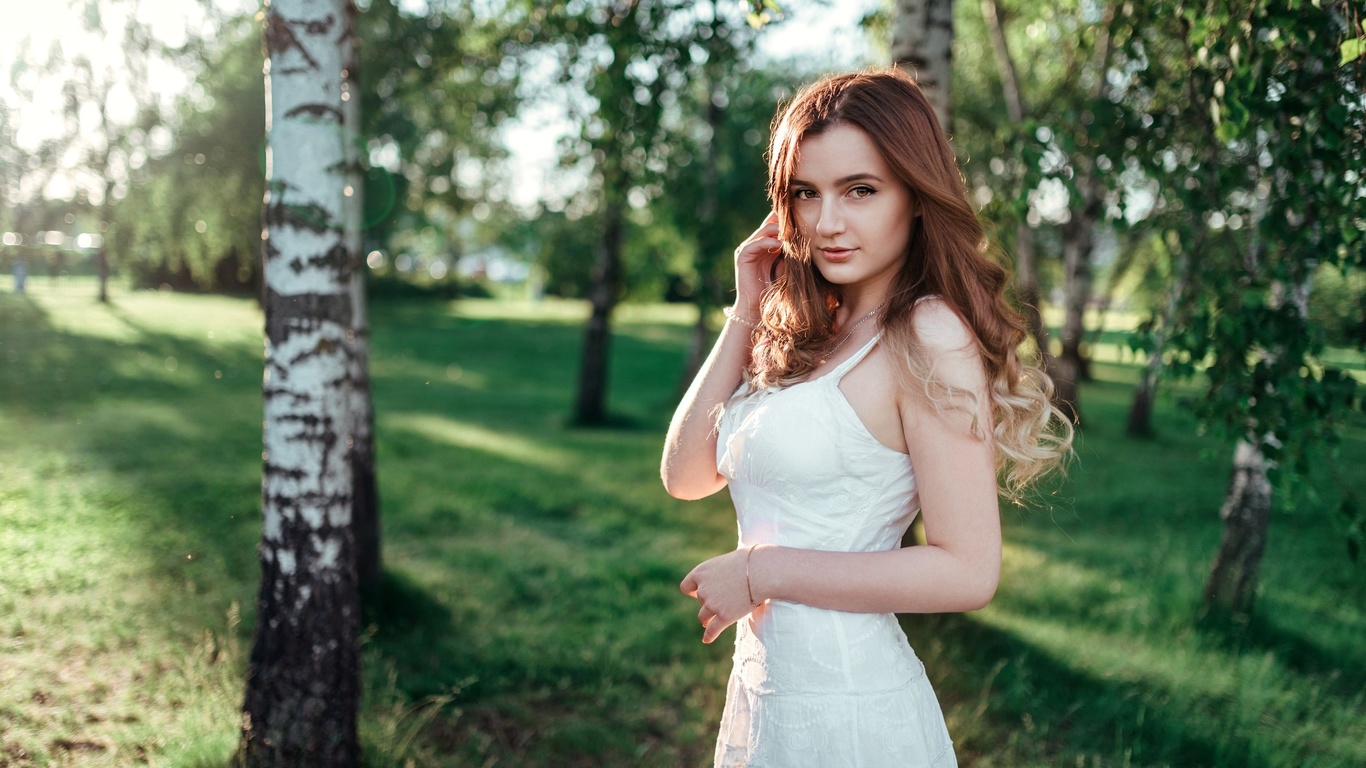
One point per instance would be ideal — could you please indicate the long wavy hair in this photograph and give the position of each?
(948, 256)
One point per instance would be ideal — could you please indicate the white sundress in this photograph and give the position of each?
(811, 687)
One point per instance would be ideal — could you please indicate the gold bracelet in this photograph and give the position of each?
(731, 314)
(749, 555)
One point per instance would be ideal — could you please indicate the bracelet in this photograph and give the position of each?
(749, 555)
(731, 314)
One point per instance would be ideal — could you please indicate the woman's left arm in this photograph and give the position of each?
(959, 566)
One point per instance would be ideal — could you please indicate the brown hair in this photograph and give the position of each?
(947, 257)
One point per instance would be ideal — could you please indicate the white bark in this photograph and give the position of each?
(308, 384)
(922, 43)
(303, 685)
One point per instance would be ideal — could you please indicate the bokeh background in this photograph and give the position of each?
(1177, 185)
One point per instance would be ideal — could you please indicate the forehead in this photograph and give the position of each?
(838, 152)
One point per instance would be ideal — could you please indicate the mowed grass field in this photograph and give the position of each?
(530, 615)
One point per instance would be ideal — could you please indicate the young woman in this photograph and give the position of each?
(867, 372)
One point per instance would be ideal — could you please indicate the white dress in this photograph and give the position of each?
(814, 687)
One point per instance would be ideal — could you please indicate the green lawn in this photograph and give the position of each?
(530, 615)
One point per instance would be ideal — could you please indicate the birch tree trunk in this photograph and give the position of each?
(922, 44)
(1246, 513)
(364, 493)
(303, 684)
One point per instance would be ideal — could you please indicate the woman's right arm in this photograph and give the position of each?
(689, 464)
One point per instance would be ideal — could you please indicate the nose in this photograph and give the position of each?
(831, 221)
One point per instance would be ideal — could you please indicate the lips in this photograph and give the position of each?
(838, 255)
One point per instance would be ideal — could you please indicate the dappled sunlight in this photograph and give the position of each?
(70, 302)
(459, 434)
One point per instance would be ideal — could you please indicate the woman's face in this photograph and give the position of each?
(853, 211)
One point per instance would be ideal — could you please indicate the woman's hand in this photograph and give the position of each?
(721, 585)
(754, 265)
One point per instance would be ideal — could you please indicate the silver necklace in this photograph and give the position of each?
(853, 328)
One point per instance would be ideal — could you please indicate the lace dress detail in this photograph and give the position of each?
(814, 687)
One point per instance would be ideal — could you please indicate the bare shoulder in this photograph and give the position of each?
(940, 328)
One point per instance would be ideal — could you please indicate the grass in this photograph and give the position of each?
(529, 614)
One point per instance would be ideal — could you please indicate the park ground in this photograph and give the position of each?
(530, 613)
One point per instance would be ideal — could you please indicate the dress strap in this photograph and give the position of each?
(854, 359)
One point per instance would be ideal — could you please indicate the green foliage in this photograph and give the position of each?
(435, 89)
(1338, 306)
(748, 97)
(1258, 148)
(192, 216)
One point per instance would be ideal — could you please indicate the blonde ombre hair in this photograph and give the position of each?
(947, 257)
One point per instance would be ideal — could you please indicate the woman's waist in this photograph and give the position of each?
(790, 648)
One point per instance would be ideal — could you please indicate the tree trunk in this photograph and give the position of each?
(1246, 514)
(1068, 369)
(1026, 254)
(922, 44)
(1141, 411)
(102, 268)
(364, 490)
(1078, 246)
(592, 400)
(303, 682)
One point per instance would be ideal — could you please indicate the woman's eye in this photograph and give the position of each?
(805, 194)
(862, 191)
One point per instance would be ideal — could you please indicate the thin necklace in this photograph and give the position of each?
(853, 328)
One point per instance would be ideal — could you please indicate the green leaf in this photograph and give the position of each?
(1352, 50)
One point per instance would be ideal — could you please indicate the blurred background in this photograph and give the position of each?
(1176, 186)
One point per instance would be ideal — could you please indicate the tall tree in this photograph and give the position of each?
(922, 43)
(632, 54)
(1281, 83)
(1025, 248)
(731, 173)
(303, 685)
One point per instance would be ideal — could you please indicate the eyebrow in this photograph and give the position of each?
(840, 181)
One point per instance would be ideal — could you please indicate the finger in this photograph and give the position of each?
(714, 629)
(688, 586)
(760, 246)
(705, 616)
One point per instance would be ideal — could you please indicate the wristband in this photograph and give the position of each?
(731, 314)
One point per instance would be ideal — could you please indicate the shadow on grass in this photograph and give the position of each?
(1061, 712)
(1342, 668)
(532, 569)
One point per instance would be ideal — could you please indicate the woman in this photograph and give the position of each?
(867, 372)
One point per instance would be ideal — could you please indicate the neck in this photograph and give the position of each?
(855, 305)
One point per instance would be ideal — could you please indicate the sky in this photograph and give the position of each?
(821, 31)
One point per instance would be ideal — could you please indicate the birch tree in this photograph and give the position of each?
(303, 684)
(922, 43)
(1282, 84)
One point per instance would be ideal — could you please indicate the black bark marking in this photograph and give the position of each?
(304, 313)
(280, 38)
(308, 216)
(323, 112)
(336, 258)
